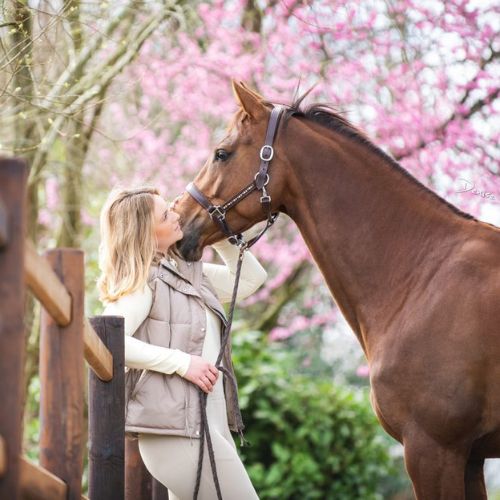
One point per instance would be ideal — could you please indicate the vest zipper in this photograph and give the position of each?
(186, 406)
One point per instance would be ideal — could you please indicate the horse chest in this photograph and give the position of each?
(433, 394)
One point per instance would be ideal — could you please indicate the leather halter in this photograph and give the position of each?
(218, 212)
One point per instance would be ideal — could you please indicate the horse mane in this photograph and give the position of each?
(330, 118)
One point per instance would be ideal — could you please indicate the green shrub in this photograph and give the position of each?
(308, 437)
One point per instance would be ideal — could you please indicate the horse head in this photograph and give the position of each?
(232, 168)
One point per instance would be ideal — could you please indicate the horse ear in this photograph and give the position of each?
(253, 92)
(249, 100)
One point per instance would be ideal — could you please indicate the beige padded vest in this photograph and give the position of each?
(168, 404)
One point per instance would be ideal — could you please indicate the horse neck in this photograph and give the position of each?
(374, 233)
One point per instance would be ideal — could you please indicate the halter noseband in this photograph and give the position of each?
(218, 212)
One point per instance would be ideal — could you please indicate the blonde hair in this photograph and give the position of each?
(128, 243)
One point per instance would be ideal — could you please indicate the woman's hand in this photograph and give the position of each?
(202, 373)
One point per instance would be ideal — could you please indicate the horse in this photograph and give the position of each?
(417, 279)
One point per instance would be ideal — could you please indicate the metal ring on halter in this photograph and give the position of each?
(262, 152)
(237, 239)
(266, 181)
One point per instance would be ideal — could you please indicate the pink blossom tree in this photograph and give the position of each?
(419, 77)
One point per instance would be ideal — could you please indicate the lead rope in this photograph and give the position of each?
(203, 395)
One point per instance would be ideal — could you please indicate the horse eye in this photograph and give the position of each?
(221, 155)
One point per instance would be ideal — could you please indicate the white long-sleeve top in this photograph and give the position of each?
(135, 308)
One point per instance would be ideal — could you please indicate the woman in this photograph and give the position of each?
(173, 323)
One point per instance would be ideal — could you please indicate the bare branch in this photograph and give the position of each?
(87, 53)
(75, 104)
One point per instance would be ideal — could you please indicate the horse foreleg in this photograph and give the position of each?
(475, 489)
(437, 472)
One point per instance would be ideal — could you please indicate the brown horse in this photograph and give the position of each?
(417, 279)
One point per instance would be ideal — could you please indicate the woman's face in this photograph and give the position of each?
(167, 228)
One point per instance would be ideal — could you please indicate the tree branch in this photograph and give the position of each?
(284, 294)
(128, 53)
(477, 106)
(87, 53)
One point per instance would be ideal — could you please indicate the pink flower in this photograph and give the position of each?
(279, 333)
(363, 371)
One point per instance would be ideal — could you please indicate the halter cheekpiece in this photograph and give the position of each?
(218, 212)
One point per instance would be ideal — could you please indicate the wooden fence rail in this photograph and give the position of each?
(53, 295)
(67, 338)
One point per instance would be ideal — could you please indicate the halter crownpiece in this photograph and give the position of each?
(218, 212)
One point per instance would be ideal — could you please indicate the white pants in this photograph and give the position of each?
(173, 461)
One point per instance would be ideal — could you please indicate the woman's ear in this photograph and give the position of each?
(249, 100)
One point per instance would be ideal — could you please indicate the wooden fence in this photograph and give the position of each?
(67, 338)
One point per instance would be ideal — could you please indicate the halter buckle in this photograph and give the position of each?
(217, 211)
(263, 150)
(236, 239)
(265, 199)
(266, 182)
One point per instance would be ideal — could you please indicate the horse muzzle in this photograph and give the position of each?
(190, 246)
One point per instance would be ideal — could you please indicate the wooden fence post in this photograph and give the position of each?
(138, 484)
(13, 175)
(107, 417)
(159, 491)
(62, 378)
